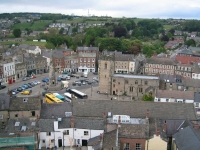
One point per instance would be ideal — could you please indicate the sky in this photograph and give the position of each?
(179, 9)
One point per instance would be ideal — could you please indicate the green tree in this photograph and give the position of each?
(17, 33)
(190, 42)
(61, 31)
(49, 45)
(148, 97)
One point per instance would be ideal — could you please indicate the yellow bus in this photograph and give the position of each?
(50, 98)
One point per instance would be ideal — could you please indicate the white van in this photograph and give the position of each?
(68, 77)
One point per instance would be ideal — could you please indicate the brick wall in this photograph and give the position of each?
(132, 143)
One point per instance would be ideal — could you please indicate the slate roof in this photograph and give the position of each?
(109, 139)
(86, 54)
(170, 78)
(158, 60)
(87, 48)
(175, 94)
(184, 51)
(28, 124)
(64, 123)
(87, 123)
(96, 108)
(58, 54)
(136, 76)
(196, 97)
(46, 125)
(191, 82)
(134, 131)
(32, 47)
(24, 46)
(55, 110)
(187, 138)
(4, 102)
(124, 57)
(18, 103)
(94, 141)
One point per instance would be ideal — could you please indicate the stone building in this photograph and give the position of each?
(158, 65)
(134, 85)
(86, 62)
(58, 61)
(71, 63)
(20, 70)
(170, 82)
(40, 64)
(30, 64)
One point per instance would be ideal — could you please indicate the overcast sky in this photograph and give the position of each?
(188, 9)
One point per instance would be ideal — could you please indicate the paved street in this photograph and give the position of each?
(90, 90)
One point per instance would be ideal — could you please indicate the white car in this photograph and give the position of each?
(83, 82)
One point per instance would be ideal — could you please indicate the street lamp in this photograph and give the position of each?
(91, 89)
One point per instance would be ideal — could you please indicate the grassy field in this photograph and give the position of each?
(39, 25)
(168, 27)
(25, 42)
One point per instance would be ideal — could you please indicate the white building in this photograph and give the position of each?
(174, 96)
(8, 72)
(34, 50)
(69, 131)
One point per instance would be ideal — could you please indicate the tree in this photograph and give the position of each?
(17, 33)
(148, 97)
(191, 42)
(135, 49)
(61, 31)
(49, 45)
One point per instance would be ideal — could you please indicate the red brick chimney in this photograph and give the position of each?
(157, 132)
(147, 114)
(196, 126)
(104, 114)
(72, 122)
(165, 126)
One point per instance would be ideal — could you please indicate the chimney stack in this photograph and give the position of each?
(157, 132)
(72, 122)
(119, 120)
(165, 126)
(147, 114)
(196, 126)
(100, 136)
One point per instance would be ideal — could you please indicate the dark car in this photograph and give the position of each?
(19, 89)
(2, 87)
(74, 83)
(24, 79)
(89, 82)
(29, 86)
(68, 89)
(95, 73)
(14, 91)
(44, 93)
(59, 79)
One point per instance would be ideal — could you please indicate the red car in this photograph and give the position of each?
(33, 77)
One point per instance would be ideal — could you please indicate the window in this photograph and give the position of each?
(88, 65)
(43, 141)
(16, 115)
(113, 85)
(33, 113)
(126, 81)
(140, 90)
(114, 80)
(92, 60)
(92, 65)
(159, 100)
(84, 59)
(126, 146)
(48, 133)
(136, 82)
(131, 89)
(80, 59)
(138, 146)
(86, 133)
(1, 116)
(88, 59)
(146, 82)
(66, 132)
(105, 66)
(167, 100)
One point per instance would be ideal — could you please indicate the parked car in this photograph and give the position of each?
(26, 92)
(89, 82)
(79, 83)
(95, 73)
(35, 82)
(45, 80)
(59, 79)
(19, 89)
(83, 82)
(44, 93)
(25, 86)
(68, 89)
(14, 91)
(32, 84)
(2, 87)
(29, 86)
(24, 79)
(74, 83)
(33, 76)
(65, 72)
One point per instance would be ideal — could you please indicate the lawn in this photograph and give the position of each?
(168, 27)
(25, 42)
(39, 25)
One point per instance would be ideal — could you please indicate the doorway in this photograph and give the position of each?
(113, 92)
(59, 142)
(84, 142)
